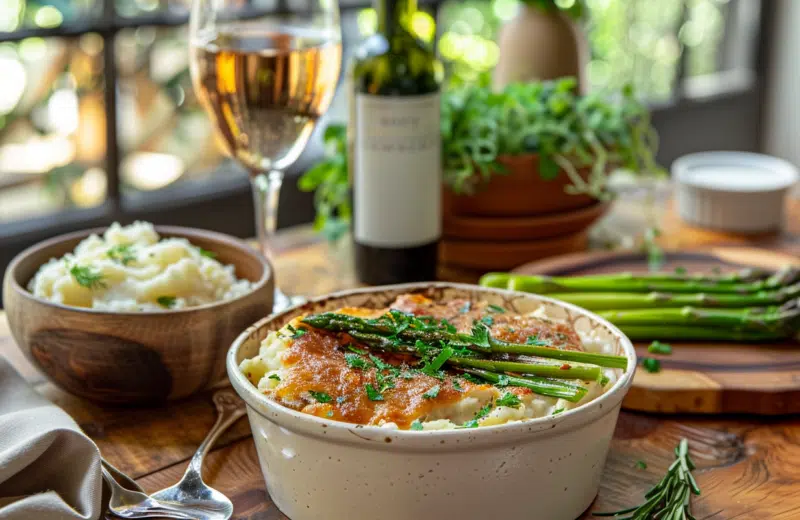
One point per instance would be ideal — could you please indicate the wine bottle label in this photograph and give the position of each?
(397, 182)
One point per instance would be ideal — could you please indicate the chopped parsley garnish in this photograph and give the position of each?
(321, 397)
(296, 333)
(122, 254)
(641, 464)
(473, 379)
(510, 400)
(330, 413)
(276, 377)
(373, 394)
(657, 347)
(86, 277)
(206, 253)
(465, 308)
(480, 335)
(456, 386)
(416, 426)
(166, 301)
(384, 382)
(651, 365)
(356, 361)
(680, 270)
(407, 374)
(503, 381)
(488, 320)
(535, 341)
(557, 411)
(496, 308)
(432, 393)
(483, 412)
(449, 327)
(379, 363)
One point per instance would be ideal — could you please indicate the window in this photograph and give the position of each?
(98, 120)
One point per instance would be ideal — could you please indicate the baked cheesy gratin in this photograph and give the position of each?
(429, 365)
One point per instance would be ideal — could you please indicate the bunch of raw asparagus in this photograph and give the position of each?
(544, 370)
(749, 305)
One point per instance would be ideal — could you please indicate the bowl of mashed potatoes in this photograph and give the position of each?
(137, 313)
(432, 400)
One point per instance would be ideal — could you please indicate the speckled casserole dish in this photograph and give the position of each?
(536, 465)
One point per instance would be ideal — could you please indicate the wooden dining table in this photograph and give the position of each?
(748, 466)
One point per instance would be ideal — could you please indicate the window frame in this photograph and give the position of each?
(706, 113)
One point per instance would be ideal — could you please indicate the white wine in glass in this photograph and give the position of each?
(265, 79)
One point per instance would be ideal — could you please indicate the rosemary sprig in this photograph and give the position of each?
(670, 498)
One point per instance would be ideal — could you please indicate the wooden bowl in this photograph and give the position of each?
(522, 228)
(521, 192)
(134, 357)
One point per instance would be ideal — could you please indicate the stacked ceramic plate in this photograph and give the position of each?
(479, 234)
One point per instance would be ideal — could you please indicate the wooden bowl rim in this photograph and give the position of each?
(169, 231)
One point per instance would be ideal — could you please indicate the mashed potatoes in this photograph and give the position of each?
(295, 366)
(131, 269)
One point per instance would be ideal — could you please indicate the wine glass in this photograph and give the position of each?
(265, 77)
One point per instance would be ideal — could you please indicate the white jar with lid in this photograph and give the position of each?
(733, 191)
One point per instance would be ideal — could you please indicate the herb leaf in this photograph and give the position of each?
(417, 426)
(557, 411)
(651, 365)
(166, 301)
(483, 412)
(372, 393)
(434, 366)
(480, 335)
(356, 361)
(276, 377)
(510, 400)
(534, 340)
(86, 277)
(432, 393)
(321, 397)
(641, 464)
(121, 253)
(496, 308)
(206, 253)
(657, 347)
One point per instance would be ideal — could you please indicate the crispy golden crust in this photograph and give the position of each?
(317, 365)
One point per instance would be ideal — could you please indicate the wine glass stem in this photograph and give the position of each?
(266, 196)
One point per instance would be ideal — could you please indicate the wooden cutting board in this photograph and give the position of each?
(701, 377)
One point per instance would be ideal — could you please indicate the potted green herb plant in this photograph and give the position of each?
(531, 149)
(543, 41)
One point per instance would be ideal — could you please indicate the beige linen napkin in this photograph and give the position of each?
(49, 469)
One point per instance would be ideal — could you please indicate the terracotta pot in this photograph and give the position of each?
(539, 45)
(520, 192)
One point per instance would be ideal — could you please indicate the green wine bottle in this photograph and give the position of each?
(396, 151)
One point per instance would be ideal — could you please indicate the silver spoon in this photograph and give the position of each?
(191, 495)
(126, 503)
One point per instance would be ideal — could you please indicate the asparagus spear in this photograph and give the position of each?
(540, 385)
(351, 324)
(688, 332)
(627, 282)
(560, 371)
(785, 319)
(625, 300)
